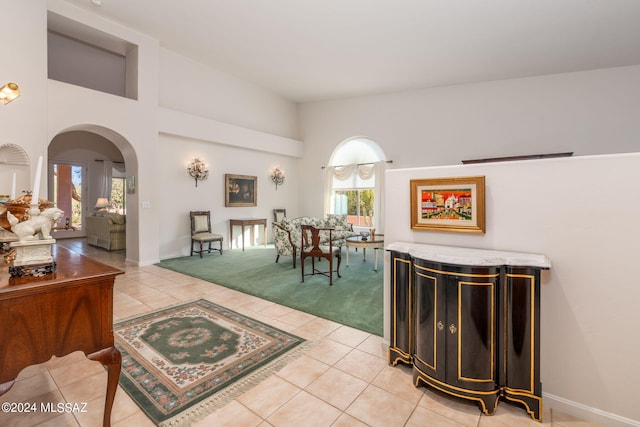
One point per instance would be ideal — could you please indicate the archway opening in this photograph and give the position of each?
(88, 168)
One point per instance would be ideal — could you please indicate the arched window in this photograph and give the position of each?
(354, 183)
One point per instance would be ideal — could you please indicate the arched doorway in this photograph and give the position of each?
(87, 163)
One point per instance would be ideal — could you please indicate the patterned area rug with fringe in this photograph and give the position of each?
(183, 362)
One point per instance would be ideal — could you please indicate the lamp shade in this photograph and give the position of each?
(102, 203)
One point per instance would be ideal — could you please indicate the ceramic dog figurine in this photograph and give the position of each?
(36, 228)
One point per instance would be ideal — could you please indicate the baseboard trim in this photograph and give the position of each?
(578, 410)
(142, 263)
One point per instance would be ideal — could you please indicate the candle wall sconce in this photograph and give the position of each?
(9, 92)
(198, 170)
(277, 176)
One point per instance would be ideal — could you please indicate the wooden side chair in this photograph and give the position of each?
(201, 233)
(310, 248)
(278, 214)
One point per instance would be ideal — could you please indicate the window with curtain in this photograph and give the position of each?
(354, 183)
(112, 184)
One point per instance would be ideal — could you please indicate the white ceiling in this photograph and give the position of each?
(306, 50)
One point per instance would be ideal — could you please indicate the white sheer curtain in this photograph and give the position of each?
(105, 178)
(341, 173)
(378, 200)
(329, 173)
(352, 172)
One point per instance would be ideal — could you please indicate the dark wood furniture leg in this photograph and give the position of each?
(111, 359)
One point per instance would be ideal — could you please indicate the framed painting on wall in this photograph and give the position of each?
(240, 190)
(448, 204)
(131, 185)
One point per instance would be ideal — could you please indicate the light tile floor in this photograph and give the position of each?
(344, 380)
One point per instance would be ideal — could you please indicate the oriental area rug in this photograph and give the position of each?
(183, 362)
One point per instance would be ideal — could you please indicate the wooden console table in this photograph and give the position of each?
(57, 314)
(244, 222)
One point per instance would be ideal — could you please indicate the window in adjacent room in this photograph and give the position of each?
(118, 197)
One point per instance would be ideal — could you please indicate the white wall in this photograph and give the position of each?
(581, 213)
(228, 149)
(590, 112)
(23, 122)
(202, 91)
(183, 196)
(78, 63)
(130, 124)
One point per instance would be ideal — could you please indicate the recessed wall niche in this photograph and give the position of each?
(13, 160)
(84, 56)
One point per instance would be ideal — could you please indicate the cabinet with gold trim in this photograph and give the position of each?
(402, 327)
(457, 323)
(470, 326)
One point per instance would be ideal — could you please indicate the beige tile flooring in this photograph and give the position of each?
(344, 380)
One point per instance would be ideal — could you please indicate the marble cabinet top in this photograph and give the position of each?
(469, 256)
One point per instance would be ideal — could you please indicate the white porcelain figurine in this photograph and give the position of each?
(37, 227)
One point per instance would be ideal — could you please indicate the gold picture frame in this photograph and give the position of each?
(240, 190)
(448, 204)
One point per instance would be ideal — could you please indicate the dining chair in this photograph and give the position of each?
(310, 248)
(201, 233)
(278, 214)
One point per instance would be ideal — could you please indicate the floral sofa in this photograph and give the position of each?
(288, 236)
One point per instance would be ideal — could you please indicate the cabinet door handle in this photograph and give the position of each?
(440, 325)
(453, 329)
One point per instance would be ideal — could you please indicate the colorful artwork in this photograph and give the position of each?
(448, 204)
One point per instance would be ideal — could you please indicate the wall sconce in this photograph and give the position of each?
(198, 170)
(277, 176)
(9, 92)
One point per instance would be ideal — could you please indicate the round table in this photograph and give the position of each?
(376, 242)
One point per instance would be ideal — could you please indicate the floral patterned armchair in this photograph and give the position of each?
(288, 236)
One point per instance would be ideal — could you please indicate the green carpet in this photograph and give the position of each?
(354, 300)
(183, 362)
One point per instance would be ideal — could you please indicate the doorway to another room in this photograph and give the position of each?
(89, 177)
(68, 187)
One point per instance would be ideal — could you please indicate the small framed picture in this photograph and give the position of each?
(240, 190)
(448, 204)
(131, 185)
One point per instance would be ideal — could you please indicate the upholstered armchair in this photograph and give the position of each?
(283, 243)
(107, 230)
